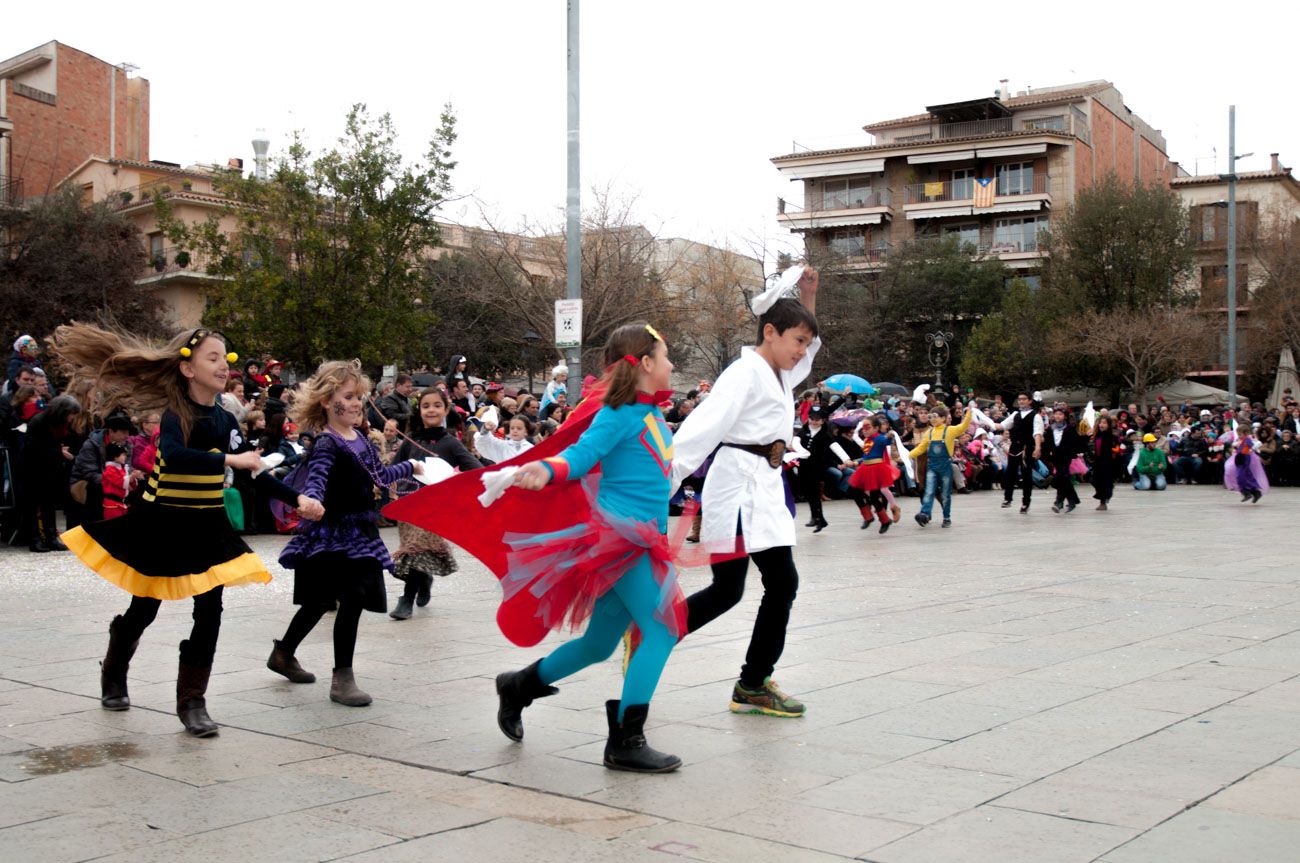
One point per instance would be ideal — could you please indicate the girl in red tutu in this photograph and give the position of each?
(876, 475)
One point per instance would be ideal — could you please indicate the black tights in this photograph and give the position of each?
(780, 584)
(345, 630)
(201, 646)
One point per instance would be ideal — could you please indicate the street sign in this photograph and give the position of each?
(568, 323)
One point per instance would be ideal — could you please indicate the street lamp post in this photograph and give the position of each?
(939, 342)
(1232, 253)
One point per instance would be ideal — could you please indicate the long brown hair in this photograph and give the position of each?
(128, 373)
(636, 340)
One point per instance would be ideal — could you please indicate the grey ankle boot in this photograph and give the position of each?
(343, 689)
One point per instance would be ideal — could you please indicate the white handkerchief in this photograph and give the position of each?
(783, 285)
(495, 484)
(435, 470)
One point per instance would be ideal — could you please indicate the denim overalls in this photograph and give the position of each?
(938, 473)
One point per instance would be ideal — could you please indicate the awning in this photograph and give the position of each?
(1021, 150)
(834, 169)
(843, 221)
(938, 213)
(1012, 207)
(950, 156)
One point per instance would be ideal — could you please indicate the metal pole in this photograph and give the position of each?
(112, 113)
(573, 210)
(1232, 256)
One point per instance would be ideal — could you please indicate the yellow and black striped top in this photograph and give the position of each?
(185, 489)
(191, 472)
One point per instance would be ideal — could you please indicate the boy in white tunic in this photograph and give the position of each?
(750, 413)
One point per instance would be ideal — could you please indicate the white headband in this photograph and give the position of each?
(783, 285)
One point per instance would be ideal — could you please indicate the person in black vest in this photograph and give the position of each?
(1026, 427)
(816, 438)
(1063, 443)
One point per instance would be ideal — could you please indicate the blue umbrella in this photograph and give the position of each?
(837, 383)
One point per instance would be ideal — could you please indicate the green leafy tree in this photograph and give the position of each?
(1120, 247)
(875, 323)
(1008, 350)
(61, 259)
(325, 258)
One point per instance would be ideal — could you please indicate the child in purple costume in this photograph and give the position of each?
(340, 558)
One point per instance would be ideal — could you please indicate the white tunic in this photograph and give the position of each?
(748, 405)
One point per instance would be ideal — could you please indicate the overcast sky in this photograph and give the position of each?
(683, 101)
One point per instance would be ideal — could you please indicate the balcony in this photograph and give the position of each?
(1068, 123)
(173, 263)
(839, 209)
(11, 192)
(942, 198)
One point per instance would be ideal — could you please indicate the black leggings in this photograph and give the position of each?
(345, 629)
(780, 584)
(201, 646)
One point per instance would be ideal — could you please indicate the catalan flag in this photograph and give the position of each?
(984, 189)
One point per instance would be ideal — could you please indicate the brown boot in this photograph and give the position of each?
(695, 528)
(285, 663)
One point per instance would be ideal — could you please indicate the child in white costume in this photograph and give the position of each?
(750, 412)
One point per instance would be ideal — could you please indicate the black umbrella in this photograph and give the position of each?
(891, 389)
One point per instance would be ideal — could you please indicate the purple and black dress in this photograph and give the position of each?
(342, 556)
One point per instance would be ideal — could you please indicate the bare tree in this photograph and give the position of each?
(1145, 348)
(1274, 319)
(713, 285)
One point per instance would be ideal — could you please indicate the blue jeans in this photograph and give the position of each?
(839, 478)
(939, 479)
(1187, 467)
(1146, 482)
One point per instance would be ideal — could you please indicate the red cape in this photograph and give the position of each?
(451, 510)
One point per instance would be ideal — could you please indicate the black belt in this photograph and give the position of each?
(772, 452)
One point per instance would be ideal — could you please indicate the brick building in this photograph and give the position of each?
(58, 106)
(989, 171)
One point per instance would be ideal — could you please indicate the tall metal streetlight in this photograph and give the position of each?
(939, 342)
(573, 208)
(1232, 253)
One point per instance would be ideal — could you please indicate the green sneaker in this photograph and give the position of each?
(768, 700)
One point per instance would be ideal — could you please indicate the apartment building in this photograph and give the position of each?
(989, 171)
(58, 106)
(1267, 203)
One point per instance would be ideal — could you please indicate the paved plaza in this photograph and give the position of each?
(1119, 687)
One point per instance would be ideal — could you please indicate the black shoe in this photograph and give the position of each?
(947, 522)
(866, 524)
(39, 546)
(884, 526)
(112, 671)
(1256, 494)
(404, 608)
(517, 690)
(1006, 504)
(821, 524)
(1069, 508)
(1245, 496)
(1024, 508)
(627, 749)
(422, 595)
(1056, 507)
(56, 544)
(812, 523)
(922, 519)
(191, 705)
(285, 663)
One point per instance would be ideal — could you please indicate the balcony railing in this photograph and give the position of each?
(1069, 123)
(172, 260)
(854, 200)
(11, 191)
(964, 190)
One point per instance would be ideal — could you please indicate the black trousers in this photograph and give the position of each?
(201, 646)
(780, 584)
(810, 480)
(1064, 483)
(1020, 470)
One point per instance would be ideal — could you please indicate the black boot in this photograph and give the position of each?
(517, 690)
(38, 545)
(284, 662)
(112, 671)
(191, 706)
(426, 584)
(627, 748)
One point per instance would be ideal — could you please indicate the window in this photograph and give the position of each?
(1016, 178)
(1019, 234)
(1206, 225)
(849, 192)
(1057, 123)
(155, 245)
(850, 242)
(963, 180)
(1214, 285)
(967, 234)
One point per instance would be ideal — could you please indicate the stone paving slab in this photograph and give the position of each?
(1058, 688)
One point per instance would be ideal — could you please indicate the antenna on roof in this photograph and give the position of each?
(261, 144)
